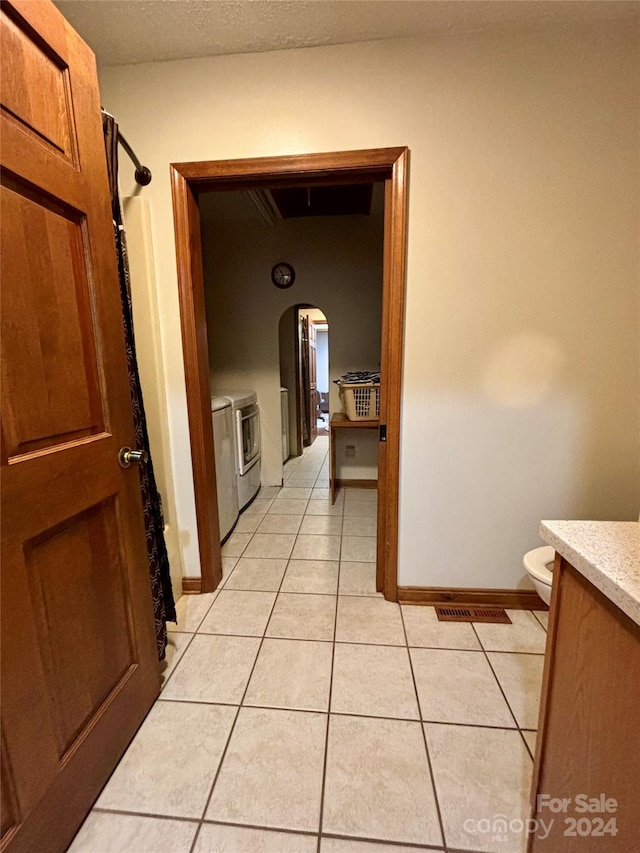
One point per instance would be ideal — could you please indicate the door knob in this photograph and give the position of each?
(128, 457)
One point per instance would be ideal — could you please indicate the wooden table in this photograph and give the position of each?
(341, 421)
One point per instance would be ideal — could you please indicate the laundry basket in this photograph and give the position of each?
(361, 402)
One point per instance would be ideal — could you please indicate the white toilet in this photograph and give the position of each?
(539, 566)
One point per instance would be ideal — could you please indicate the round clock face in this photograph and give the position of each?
(283, 275)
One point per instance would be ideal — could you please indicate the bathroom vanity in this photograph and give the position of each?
(587, 768)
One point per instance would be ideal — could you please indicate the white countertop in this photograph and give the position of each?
(607, 553)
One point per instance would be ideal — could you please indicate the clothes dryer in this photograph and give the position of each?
(225, 455)
(246, 420)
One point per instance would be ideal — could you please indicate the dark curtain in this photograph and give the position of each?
(163, 603)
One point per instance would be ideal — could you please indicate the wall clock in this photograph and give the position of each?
(283, 275)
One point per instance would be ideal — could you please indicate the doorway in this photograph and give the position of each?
(308, 386)
(303, 338)
(189, 180)
(322, 370)
(313, 387)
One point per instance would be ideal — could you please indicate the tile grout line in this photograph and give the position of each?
(285, 831)
(168, 678)
(486, 656)
(301, 591)
(291, 557)
(307, 833)
(542, 625)
(424, 734)
(384, 842)
(504, 695)
(339, 566)
(344, 713)
(322, 559)
(233, 727)
(503, 652)
(339, 642)
(326, 736)
(193, 634)
(152, 815)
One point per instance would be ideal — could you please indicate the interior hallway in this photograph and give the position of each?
(300, 710)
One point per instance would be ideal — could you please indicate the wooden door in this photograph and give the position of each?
(303, 347)
(313, 380)
(79, 665)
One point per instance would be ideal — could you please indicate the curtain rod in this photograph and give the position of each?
(142, 175)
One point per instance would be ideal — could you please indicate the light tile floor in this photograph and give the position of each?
(303, 713)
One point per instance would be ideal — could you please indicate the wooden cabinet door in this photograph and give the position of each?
(588, 736)
(79, 663)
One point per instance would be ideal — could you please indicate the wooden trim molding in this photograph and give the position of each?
(187, 181)
(356, 484)
(191, 586)
(396, 197)
(195, 349)
(368, 164)
(512, 599)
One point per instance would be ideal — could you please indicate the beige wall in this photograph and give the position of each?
(520, 391)
(137, 217)
(338, 264)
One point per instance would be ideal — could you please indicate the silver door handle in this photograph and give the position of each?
(128, 457)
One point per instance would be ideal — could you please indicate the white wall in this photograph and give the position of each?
(520, 390)
(322, 360)
(338, 264)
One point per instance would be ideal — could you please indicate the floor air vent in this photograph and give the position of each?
(473, 614)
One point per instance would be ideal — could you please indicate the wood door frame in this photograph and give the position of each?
(188, 180)
(299, 395)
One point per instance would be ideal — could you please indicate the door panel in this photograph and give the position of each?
(83, 661)
(51, 392)
(36, 88)
(79, 661)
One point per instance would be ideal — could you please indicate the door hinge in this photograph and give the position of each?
(383, 432)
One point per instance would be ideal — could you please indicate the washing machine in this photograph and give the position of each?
(225, 456)
(246, 421)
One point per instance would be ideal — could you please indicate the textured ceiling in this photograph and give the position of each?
(129, 31)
